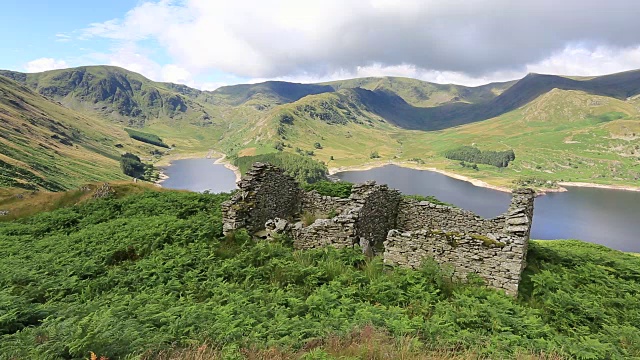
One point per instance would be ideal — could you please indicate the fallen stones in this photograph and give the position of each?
(104, 191)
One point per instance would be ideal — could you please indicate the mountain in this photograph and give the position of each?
(120, 95)
(419, 105)
(44, 145)
(425, 94)
(339, 122)
(273, 92)
(386, 103)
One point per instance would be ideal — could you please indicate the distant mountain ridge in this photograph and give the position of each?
(108, 91)
(408, 103)
(346, 118)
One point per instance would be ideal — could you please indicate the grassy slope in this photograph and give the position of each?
(342, 126)
(21, 204)
(151, 271)
(117, 94)
(562, 135)
(62, 146)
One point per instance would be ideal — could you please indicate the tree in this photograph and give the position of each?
(131, 165)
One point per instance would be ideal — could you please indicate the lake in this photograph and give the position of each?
(603, 216)
(199, 175)
(607, 217)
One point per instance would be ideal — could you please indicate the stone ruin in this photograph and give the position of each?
(381, 220)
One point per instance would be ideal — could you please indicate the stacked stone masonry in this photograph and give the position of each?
(378, 218)
(265, 192)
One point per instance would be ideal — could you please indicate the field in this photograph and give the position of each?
(150, 275)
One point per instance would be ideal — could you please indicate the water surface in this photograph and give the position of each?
(199, 175)
(603, 216)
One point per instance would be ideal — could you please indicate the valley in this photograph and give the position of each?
(562, 130)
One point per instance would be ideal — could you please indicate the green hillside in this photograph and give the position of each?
(151, 276)
(560, 136)
(112, 92)
(560, 128)
(273, 92)
(46, 146)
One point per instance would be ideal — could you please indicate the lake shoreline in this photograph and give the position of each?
(365, 167)
(220, 159)
(600, 186)
(227, 164)
(480, 183)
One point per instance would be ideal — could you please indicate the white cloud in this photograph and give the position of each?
(577, 60)
(176, 74)
(133, 58)
(439, 40)
(572, 60)
(60, 37)
(44, 64)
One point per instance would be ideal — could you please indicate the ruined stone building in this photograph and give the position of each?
(379, 219)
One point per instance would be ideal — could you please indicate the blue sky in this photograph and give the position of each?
(30, 27)
(208, 43)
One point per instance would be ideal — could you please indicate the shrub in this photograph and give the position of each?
(146, 137)
(131, 165)
(341, 189)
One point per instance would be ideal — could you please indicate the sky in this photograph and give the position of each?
(211, 43)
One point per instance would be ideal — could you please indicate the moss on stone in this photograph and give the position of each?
(487, 241)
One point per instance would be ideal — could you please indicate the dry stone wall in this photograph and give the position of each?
(315, 203)
(493, 249)
(378, 212)
(266, 192)
(338, 232)
(410, 231)
(364, 219)
(416, 215)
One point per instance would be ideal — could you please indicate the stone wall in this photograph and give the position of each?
(493, 249)
(364, 219)
(338, 232)
(519, 219)
(416, 215)
(407, 230)
(318, 204)
(378, 212)
(266, 192)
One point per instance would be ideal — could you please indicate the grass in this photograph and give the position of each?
(22, 204)
(64, 147)
(363, 343)
(150, 275)
(309, 218)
